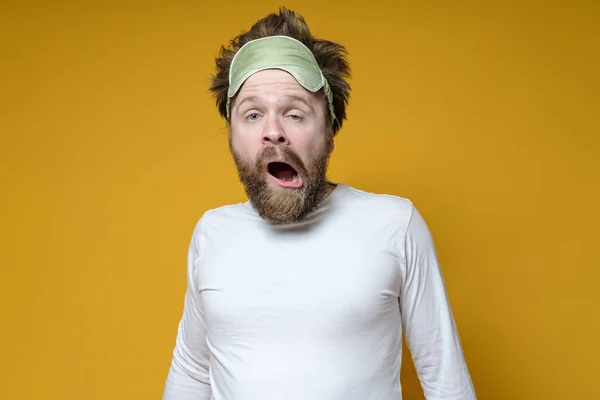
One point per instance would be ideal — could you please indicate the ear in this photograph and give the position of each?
(330, 143)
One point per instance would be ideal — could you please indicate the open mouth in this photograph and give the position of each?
(285, 175)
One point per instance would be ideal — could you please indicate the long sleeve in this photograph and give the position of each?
(427, 319)
(188, 377)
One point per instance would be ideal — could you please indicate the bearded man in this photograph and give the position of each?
(305, 291)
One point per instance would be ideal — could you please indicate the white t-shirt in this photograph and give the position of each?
(315, 310)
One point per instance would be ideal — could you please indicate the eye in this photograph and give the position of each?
(252, 117)
(294, 117)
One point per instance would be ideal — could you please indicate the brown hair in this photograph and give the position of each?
(331, 57)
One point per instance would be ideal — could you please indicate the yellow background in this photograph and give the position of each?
(485, 114)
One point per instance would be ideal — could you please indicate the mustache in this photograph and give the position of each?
(285, 153)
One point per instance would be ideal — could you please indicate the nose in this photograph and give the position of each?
(274, 133)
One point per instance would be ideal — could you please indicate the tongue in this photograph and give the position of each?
(282, 171)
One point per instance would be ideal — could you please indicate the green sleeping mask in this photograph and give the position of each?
(277, 52)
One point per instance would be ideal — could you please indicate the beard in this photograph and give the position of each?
(280, 205)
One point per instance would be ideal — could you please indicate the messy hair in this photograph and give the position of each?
(331, 58)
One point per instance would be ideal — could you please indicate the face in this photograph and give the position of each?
(281, 144)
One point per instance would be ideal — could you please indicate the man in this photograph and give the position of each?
(304, 291)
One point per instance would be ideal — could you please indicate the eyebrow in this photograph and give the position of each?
(284, 99)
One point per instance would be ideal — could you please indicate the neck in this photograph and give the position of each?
(330, 188)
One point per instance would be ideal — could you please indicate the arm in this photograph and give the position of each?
(430, 331)
(188, 377)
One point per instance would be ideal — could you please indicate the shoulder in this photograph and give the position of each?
(397, 215)
(378, 206)
(223, 213)
(221, 217)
